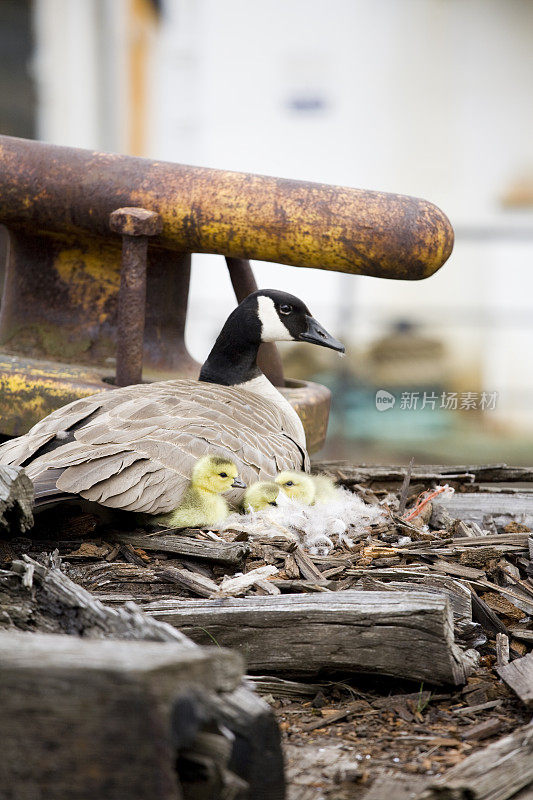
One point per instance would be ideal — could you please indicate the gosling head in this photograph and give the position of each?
(298, 486)
(216, 474)
(260, 495)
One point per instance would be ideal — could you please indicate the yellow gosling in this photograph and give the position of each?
(202, 504)
(260, 495)
(298, 486)
(307, 489)
(325, 489)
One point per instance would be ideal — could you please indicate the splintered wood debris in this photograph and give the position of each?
(394, 664)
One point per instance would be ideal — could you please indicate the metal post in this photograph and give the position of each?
(135, 225)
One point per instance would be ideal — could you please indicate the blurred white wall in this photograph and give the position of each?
(423, 97)
(80, 71)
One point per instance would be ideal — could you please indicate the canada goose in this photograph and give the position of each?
(202, 504)
(134, 448)
(260, 495)
(307, 489)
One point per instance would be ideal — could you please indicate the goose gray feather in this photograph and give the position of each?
(138, 446)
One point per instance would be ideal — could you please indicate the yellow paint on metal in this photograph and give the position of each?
(29, 390)
(92, 276)
(303, 224)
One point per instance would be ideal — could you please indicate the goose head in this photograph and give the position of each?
(215, 474)
(297, 485)
(285, 318)
(267, 315)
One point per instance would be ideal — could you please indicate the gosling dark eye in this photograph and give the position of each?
(273, 504)
(285, 309)
(289, 483)
(223, 474)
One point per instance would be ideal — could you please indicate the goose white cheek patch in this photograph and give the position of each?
(272, 328)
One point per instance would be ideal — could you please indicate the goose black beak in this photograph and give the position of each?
(316, 334)
(238, 484)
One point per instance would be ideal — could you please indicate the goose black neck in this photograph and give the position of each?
(233, 359)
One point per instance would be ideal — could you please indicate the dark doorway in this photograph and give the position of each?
(17, 89)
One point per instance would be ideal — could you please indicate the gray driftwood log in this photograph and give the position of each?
(471, 473)
(72, 609)
(221, 552)
(407, 635)
(16, 501)
(503, 508)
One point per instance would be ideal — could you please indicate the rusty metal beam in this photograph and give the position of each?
(72, 192)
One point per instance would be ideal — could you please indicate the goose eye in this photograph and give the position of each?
(273, 504)
(289, 483)
(285, 309)
(223, 474)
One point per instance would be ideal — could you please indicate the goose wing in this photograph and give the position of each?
(134, 448)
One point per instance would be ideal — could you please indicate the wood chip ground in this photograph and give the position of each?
(346, 735)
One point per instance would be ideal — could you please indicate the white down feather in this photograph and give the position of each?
(318, 528)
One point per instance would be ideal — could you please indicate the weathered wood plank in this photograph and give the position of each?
(502, 649)
(50, 597)
(82, 718)
(503, 508)
(221, 552)
(193, 581)
(77, 612)
(458, 594)
(521, 634)
(307, 569)
(257, 754)
(488, 473)
(460, 544)
(495, 773)
(403, 634)
(518, 675)
(241, 583)
(16, 500)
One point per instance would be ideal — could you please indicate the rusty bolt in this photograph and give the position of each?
(135, 225)
(135, 222)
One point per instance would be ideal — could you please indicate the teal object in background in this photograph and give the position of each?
(356, 415)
